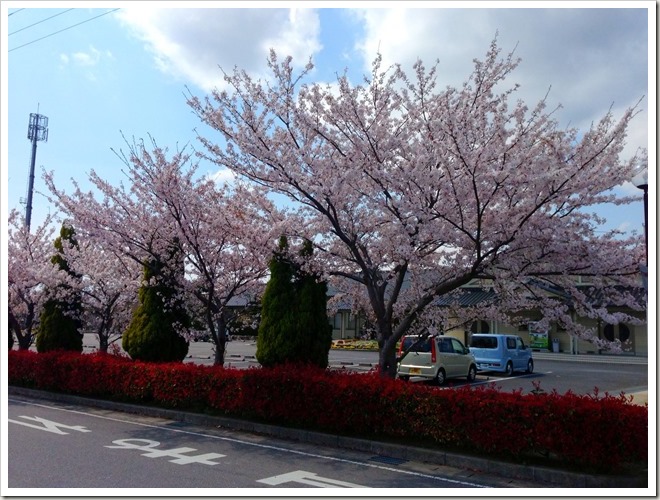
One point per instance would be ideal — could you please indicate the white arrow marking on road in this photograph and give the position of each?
(49, 425)
(310, 478)
(148, 446)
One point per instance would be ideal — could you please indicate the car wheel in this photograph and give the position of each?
(440, 377)
(530, 366)
(405, 378)
(472, 373)
(509, 369)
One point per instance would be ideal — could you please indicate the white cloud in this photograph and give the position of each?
(84, 59)
(90, 58)
(590, 58)
(223, 176)
(88, 61)
(191, 44)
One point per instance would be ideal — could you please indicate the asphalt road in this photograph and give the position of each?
(57, 445)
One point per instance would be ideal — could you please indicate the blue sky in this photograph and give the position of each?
(127, 71)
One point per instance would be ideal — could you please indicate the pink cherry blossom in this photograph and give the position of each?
(29, 272)
(226, 233)
(411, 192)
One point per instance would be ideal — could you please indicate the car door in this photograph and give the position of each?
(521, 355)
(446, 357)
(461, 359)
(511, 351)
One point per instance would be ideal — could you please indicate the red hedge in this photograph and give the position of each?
(596, 432)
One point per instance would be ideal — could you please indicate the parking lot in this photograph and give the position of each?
(581, 374)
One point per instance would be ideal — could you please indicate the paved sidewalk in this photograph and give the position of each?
(593, 358)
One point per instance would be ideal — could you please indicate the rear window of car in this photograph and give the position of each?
(415, 345)
(484, 342)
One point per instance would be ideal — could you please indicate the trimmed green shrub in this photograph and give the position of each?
(275, 340)
(59, 323)
(154, 331)
(313, 328)
(294, 324)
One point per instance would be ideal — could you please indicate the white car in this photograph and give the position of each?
(437, 358)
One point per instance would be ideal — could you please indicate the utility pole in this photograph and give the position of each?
(37, 131)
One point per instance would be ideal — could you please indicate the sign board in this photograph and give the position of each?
(539, 339)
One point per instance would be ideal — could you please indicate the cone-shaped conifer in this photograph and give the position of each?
(155, 331)
(59, 323)
(294, 324)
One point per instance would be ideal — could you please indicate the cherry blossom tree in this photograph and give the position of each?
(107, 282)
(410, 192)
(225, 232)
(29, 272)
(120, 222)
(108, 285)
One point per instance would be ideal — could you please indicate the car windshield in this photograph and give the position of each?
(484, 342)
(415, 345)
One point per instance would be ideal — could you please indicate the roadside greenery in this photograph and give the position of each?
(355, 345)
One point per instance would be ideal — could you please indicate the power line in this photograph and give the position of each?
(39, 22)
(64, 29)
(17, 10)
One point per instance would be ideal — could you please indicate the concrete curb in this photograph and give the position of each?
(640, 398)
(554, 477)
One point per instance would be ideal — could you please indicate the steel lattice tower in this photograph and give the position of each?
(37, 131)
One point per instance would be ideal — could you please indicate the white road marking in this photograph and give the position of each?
(494, 377)
(264, 446)
(48, 425)
(176, 453)
(308, 478)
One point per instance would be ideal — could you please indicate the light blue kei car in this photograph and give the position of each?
(501, 353)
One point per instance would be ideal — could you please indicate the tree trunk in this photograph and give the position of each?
(24, 336)
(386, 349)
(219, 359)
(387, 362)
(24, 342)
(106, 324)
(103, 342)
(14, 327)
(220, 339)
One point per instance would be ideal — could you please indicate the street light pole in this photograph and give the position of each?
(641, 180)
